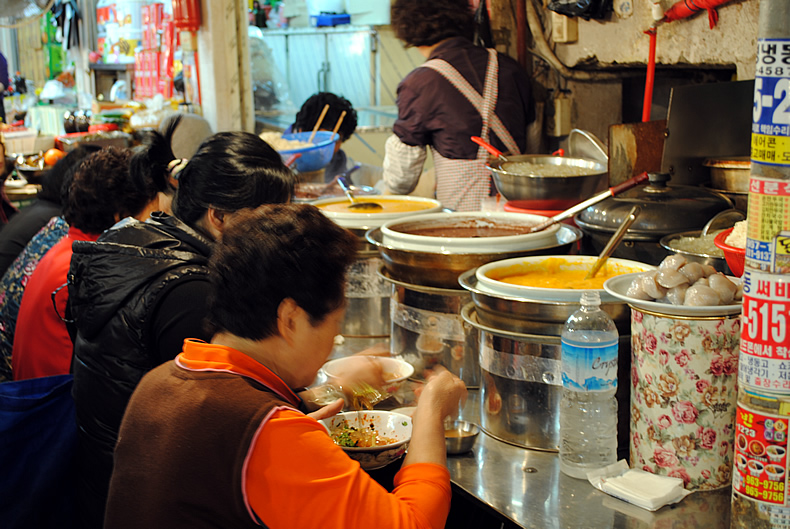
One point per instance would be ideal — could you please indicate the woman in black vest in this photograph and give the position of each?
(141, 289)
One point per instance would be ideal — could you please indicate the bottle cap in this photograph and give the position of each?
(590, 298)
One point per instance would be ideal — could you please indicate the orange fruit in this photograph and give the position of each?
(52, 156)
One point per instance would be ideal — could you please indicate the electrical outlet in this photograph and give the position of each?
(559, 122)
(563, 28)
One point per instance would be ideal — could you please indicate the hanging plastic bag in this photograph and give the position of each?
(483, 35)
(586, 9)
(38, 438)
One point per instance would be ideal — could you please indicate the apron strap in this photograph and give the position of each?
(484, 105)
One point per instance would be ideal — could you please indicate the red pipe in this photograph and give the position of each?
(686, 8)
(651, 76)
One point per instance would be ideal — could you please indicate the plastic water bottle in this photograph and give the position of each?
(588, 411)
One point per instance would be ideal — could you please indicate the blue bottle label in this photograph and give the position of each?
(589, 367)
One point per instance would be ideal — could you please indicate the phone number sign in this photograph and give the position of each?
(765, 324)
(771, 112)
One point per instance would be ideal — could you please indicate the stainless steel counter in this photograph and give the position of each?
(527, 487)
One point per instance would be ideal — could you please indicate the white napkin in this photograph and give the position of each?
(640, 488)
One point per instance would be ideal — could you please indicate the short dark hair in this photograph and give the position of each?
(101, 192)
(231, 171)
(56, 180)
(311, 110)
(421, 23)
(272, 253)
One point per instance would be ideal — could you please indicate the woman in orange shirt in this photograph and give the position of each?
(219, 437)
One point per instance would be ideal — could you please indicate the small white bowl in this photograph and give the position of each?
(395, 370)
(392, 237)
(487, 273)
(374, 219)
(387, 424)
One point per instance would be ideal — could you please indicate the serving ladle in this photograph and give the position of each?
(614, 241)
(355, 204)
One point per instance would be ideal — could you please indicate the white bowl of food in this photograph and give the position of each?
(394, 370)
(392, 207)
(468, 232)
(551, 277)
(373, 438)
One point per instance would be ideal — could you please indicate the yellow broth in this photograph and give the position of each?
(388, 206)
(559, 273)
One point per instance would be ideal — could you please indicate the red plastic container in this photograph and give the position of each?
(735, 257)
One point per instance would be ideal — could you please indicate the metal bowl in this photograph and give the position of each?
(441, 270)
(544, 191)
(460, 436)
(716, 261)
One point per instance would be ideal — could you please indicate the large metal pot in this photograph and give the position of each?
(427, 329)
(544, 187)
(520, 357)
(664, 210)
(521, 385)
(441, 270)
(729, 174)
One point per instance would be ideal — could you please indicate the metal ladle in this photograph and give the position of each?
(614, 241)
(356, 205)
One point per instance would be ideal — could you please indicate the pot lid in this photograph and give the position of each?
(665, 209)
(583, 144)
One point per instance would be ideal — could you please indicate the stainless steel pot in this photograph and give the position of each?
(544, 189)
(441, 270)
(529, 316)
(521, 384)
(665, 210)
(729, 174)
(427, 329)
(716, 261)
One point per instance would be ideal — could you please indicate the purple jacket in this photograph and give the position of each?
(433, 112)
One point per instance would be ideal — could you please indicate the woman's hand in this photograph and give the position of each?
(330, 410)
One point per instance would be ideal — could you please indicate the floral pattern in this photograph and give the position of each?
(13, 283)
(683, 397)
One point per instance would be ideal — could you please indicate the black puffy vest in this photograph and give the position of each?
(114, 283)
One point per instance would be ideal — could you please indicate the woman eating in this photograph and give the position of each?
(139, 290)
(219, 436)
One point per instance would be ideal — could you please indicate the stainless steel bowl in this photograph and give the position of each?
(544, 191)
(716, 261)
(464, 434)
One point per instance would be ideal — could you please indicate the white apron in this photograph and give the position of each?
(461, 185)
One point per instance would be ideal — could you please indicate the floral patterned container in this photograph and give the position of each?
(683, 396)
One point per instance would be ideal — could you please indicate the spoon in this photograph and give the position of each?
(603, 195)
(355, 205)
(490, 148)
(614, 241)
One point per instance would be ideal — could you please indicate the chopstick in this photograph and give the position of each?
(318, 123)
(339, 122)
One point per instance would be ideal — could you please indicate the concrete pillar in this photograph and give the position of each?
(224, 62)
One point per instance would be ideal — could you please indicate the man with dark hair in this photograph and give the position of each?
(308, 115)
(227, 413)
(461, 91)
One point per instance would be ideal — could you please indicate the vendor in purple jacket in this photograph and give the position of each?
(461, 91)
(4, 79)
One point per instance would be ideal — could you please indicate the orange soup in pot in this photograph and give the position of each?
(388, 205)
(559, 273)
